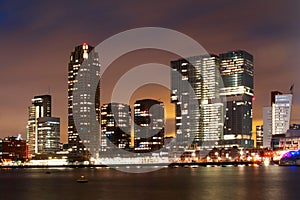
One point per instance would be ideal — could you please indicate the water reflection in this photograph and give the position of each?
(172, 183)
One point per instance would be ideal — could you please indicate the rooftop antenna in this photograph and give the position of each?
(292, 89)
(49, 90)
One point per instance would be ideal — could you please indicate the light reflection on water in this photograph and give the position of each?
(171, 183)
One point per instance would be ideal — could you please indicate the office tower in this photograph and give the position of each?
(83, 103)
(268, 122)
(115, 126)
(41, 107)
(211, 128)
(42, 135)
(149, 119)
(281, 113)
(202, 122)
(259, 136)
(276, 118)
(48, 134)
(237, 74)
(267, 127)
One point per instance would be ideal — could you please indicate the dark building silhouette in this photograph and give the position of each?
(149, 125)
(273, 95)
(13, 148)
(115, 126)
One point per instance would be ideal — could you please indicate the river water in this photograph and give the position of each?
(272, 182)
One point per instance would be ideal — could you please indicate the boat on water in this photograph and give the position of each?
(82, 179)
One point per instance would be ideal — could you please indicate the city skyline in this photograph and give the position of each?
(42, 55)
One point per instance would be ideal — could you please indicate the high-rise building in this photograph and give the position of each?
(202, 122)
(187, 112)
(276, 118)
(83, 103)
(48, 134)
(43, 131)
(115, 126)
(259, 136)
(41, 107)
(149, 122)
(267, 127)
(237, 74)
(281, 113)
(212, 123)
(268, 120)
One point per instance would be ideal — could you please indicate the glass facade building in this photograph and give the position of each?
(84, 102)
(149, 125)
(43, 131)
(237, 73)
(202, 122)
(48, 135)
(115, 126)
(41, 107)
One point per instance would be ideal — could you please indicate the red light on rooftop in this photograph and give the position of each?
(253, 98)
(84, 46)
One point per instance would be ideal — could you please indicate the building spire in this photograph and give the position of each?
(292, 89)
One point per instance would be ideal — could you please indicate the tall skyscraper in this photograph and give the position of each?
(83, 77)
(237, 74)
(115, 126)
(149, 119)
(41, 107)
(276, 118)
(43, 132)
(281, 113)
(203, 122)
(212, 108)
(267, 126)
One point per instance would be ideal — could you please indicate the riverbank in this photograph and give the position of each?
(193, 164)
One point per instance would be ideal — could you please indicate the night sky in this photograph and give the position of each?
(36, 39)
